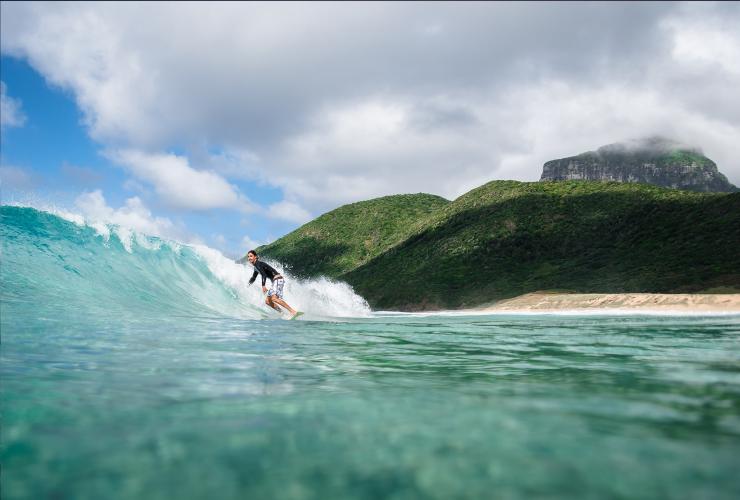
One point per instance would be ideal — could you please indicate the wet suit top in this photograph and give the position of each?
(265, 270)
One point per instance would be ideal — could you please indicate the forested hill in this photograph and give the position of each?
(349, 236)
(507, 238)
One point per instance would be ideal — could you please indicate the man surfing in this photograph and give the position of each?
(275, 295)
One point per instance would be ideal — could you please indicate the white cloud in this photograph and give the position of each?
(132, 215)
(11, 114)
(248, 244)
(334, 103)
(612, 113)
(385, 146)
(704, 45)
(289, 211)
(704, 37)
(179, 185)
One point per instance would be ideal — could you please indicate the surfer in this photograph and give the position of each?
(275, 295)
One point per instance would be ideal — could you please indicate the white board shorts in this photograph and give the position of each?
(277, 288)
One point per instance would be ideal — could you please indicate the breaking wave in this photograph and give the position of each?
(95, 268)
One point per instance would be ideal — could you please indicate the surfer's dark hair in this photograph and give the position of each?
(253, 253)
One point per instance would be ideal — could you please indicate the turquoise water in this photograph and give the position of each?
(133, 368)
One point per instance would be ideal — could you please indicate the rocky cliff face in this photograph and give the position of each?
(655, 160)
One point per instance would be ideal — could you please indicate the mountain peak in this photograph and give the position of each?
(653, 160)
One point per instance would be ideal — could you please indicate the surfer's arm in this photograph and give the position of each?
(254, 277)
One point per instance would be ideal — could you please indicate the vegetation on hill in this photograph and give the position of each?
(351, 235)
(507, 238)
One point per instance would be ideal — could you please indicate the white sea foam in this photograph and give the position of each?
(319, 297)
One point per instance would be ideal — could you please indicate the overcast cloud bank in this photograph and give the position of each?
(338, 102)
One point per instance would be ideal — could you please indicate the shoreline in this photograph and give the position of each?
(637, 302)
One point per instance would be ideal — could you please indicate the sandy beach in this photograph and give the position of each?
(684, 302)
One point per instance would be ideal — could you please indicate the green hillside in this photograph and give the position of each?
(507, 238)
(351, 235)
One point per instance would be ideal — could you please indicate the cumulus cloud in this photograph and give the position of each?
(384, 146)
(132, 215)
(179, 185)
(289, 211)
(11, 114)
(248, 243)
(706, 38)
(337, 102)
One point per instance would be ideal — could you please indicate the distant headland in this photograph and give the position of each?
(654, 160)
(605, 228)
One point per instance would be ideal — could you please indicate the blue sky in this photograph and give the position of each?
(61, 161)
(233, 123)
(51, 137)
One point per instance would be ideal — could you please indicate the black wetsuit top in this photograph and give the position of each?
(265, 270)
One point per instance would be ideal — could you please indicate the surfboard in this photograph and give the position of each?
(298, 313)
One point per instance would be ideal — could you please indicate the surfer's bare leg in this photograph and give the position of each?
(284, 304)
(275, 296)
(269, 302)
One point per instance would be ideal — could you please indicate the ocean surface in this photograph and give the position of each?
(134, 367)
